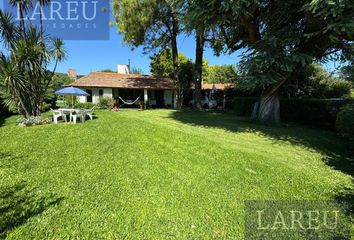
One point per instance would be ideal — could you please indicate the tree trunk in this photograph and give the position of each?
(175, 59)
(40, 19)
(24, 107)
(198, 76)
(269, 108)
(22, 19)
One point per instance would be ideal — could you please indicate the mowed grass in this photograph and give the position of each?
(159, 174)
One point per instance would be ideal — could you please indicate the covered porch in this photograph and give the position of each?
(152, 98)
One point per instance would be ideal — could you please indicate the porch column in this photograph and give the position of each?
(146, 97)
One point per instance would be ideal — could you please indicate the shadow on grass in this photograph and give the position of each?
(19, 202)
(339, 152)
(3, 119)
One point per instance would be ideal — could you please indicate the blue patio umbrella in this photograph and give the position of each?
(72, 91)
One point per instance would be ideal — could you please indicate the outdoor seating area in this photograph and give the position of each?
(72, 114)
(69, 115)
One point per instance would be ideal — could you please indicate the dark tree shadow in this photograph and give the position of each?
(338, 152)
(18, 201)
(3, 119)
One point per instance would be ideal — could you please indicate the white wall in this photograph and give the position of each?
(82, 99)
(107, 93)
(124, 69)
(168, 97)
(95, 95)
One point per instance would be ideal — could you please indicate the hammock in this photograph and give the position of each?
(128, 103)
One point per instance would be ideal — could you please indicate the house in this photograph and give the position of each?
(153, 90)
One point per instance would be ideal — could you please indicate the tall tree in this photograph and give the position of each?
(42, 3)
(201, 30)
(198, 76)
(154, 24)
(281, 36)
(162, 65)
(22, 8)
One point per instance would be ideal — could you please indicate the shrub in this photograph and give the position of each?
(316, 112)
(84, 105)
(345, 122)
(32, 121)
(335, 88)
(105, 103)
(243, 106)
(69, 100)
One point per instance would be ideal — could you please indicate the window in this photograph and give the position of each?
(100, 93)
(89, 98)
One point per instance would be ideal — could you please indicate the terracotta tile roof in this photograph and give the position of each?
(116, 80)
(218, 86)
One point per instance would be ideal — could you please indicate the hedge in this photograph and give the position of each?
(316, 112)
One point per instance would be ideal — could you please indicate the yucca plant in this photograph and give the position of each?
(24, 66)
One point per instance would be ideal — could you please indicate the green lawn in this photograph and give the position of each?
(159, 174)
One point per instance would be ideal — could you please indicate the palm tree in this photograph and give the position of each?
(22, 7)
(42, 3)
(24, 70)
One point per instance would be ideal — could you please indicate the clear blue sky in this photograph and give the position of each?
(87, 56)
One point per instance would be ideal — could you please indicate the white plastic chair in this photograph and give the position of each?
(77, 114)
(90, 113)
(58, 114)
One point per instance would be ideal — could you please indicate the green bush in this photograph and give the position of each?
(316, 112)
(243, 106)
(335, 88)
(69, 100)
(84, 105)
(345, 122)
(105, 103)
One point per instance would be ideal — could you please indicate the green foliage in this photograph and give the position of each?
(281, 37)
(221, 74)
(59, 80)
(71, 101)
(108, 71)
(345, 122)
(146, 23)
(135, 70)
(155, 174)
(243, 106)
(314, 112)
(347, 73)
(319, 113)
(24, 63)
(105, 103)
(32, 121)
(86, 105)
(162, 65)
(316, 82)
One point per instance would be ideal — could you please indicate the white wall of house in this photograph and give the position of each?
(107, 93)
(82, 99)
(168, 97)
(95, 95)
